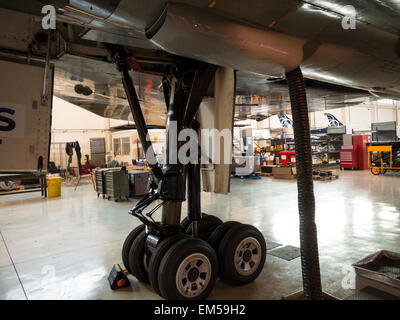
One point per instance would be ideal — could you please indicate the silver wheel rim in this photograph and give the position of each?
(247, 256)
(193, 275)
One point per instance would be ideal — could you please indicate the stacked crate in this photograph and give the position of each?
(100, 182)
(138, 183)
(117, 184)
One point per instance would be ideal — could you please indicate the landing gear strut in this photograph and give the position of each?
(183, 260)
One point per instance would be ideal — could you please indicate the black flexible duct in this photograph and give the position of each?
(308, 229)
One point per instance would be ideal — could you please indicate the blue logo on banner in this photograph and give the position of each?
(333, 121)
(10, 122)
(286, 122)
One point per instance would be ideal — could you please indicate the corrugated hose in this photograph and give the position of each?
(306, 202)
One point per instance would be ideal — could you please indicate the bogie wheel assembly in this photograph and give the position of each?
(188, 270)
(241, 254)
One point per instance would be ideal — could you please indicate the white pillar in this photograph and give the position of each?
(223, 119)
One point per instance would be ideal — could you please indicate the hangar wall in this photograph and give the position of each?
(72, 123)
(356, 118)
(157, 137)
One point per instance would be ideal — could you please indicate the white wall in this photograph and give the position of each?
(157, 136)
(73, 123)
(270, 123)
(356, 118)
(69, 116)
(359, 118)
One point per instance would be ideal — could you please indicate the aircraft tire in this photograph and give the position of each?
(138, 259)
(157, 256)
(219, 232)
(241, 254)
(128, 244)
(206, 225)
(188, 270)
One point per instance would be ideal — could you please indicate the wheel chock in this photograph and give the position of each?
(118, 278)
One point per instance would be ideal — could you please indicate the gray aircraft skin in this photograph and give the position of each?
(347, 56)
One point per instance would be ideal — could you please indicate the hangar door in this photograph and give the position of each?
(98, 151)
(25, 122)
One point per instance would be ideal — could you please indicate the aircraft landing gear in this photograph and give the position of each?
(182, 260)
(233, 251)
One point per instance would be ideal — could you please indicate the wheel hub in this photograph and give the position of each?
(247, 256)
(193, 275)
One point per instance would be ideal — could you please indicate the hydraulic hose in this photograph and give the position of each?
(306, 202)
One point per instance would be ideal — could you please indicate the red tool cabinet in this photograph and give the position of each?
(349, 157)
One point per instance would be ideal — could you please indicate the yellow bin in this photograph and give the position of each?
(54, 186)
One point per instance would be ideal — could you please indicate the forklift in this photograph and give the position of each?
(383, 156)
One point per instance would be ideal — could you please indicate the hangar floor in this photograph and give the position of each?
(64, 248)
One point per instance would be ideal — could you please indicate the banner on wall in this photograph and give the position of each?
(12, 120)
(333, 121)
(25, 119)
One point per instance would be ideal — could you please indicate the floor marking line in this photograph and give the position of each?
(15, 269)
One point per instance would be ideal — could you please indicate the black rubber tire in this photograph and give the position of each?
(226, 254)
(126, 247)
(137, 256)
(219, 232)
(375, 174)
(157, 256)
(185, 223)
(173, 258)
(206, 225)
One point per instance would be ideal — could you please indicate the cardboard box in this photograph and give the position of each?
(284, 172)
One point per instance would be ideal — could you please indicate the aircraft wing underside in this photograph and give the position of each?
(96, 86)
(342, 67)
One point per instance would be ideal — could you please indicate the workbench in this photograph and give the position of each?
(9, 176)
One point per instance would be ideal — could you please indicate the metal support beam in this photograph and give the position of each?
(194, 186)
(123, 67)
(167, 91)
(224, 103)
(202, 79)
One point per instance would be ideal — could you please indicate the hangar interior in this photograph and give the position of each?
(197, 149)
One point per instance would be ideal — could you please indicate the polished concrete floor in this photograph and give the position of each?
(64, 248)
